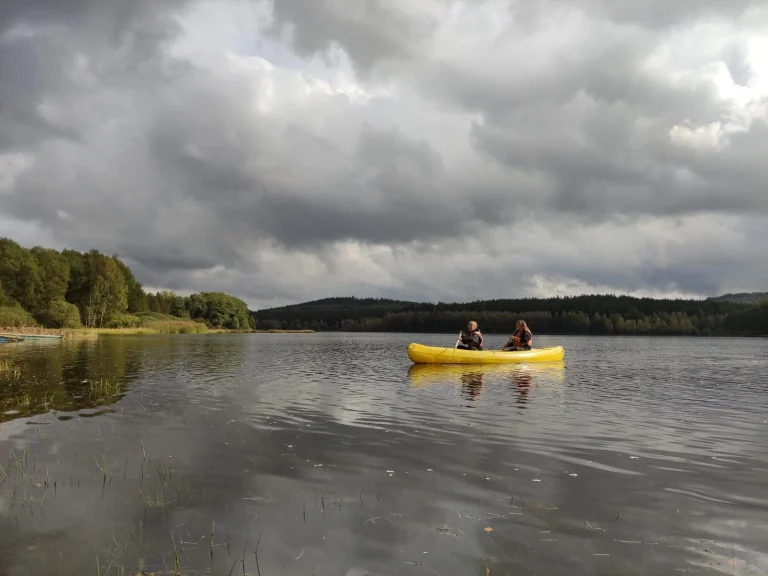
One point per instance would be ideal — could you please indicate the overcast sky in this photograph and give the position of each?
(422, 149)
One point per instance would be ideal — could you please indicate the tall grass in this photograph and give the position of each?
(155, 323)
(178, 327)
(9, 368)
(167, 327)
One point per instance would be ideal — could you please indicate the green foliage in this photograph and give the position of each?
(136, 298)
(32, 278)
(67, 288)
(53, 277)
(161, 302)
(215, 309)
(179, 327)
(62, 314)
(5, 300)
(157, 322)
(156, 316)
(742, 297)
(42, 281)
(598, 314)
(124, 321)
(15, 317)
(103, 290)
(220, 310)
(19, 275)
(76, 287)
(178, 308)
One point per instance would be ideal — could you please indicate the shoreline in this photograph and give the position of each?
(81, 333)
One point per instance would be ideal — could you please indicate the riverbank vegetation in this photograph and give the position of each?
(595, 314)
(47, 291)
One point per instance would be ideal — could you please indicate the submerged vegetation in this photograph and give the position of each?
(598, 314)
(9, 369)
(82, 374)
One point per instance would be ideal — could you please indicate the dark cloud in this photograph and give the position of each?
(368, 31)
(469, 148)
(659, 14)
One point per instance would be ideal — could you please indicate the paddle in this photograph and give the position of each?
(457, 341)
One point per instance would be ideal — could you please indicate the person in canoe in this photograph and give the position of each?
(472, 339)
(522, 339)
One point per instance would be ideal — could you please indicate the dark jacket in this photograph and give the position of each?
(472, 340)
(526, 339)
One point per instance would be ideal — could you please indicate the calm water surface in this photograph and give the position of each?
(329, 454)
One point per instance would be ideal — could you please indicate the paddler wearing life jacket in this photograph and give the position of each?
(472, 339)
(522, 339)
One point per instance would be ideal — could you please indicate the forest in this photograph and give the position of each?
(70, 289)
(589, 314)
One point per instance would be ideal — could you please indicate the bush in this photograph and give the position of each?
(61, 314)
(179, 327)
(5, 300)
(15, 317)
(124, 321)
(149, 316)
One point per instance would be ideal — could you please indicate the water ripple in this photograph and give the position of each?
(631, 453)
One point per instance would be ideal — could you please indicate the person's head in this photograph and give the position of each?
(522, 326)
(472, 326)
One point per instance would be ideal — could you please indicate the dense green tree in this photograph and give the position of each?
(137, 299)
(219, 310)
(5, 300)
(152, 304)
(593, 314)
(106, 294)
(178, 307)
(77, 286)
(54, 285)
(62, 314)
(19, 275)
(53, 278)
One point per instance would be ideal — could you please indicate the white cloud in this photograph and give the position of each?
(488, 152)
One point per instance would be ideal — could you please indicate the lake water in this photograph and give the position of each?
(329, 454)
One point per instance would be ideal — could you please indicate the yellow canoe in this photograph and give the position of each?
(421, 354)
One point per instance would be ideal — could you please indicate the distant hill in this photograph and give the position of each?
(741, 297)
(593, 314)
(345, 302)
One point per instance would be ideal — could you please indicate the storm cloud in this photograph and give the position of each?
(291, 150)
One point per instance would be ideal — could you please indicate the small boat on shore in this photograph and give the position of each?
(5, 337)
(421, 354)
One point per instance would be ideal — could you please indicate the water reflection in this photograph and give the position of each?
(333, 456)
(474, 379)
(429, 374)
(523, 383)
(471, 385)
(64, 377)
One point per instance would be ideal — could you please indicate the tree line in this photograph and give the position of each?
(589, 314)
(69, 289)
